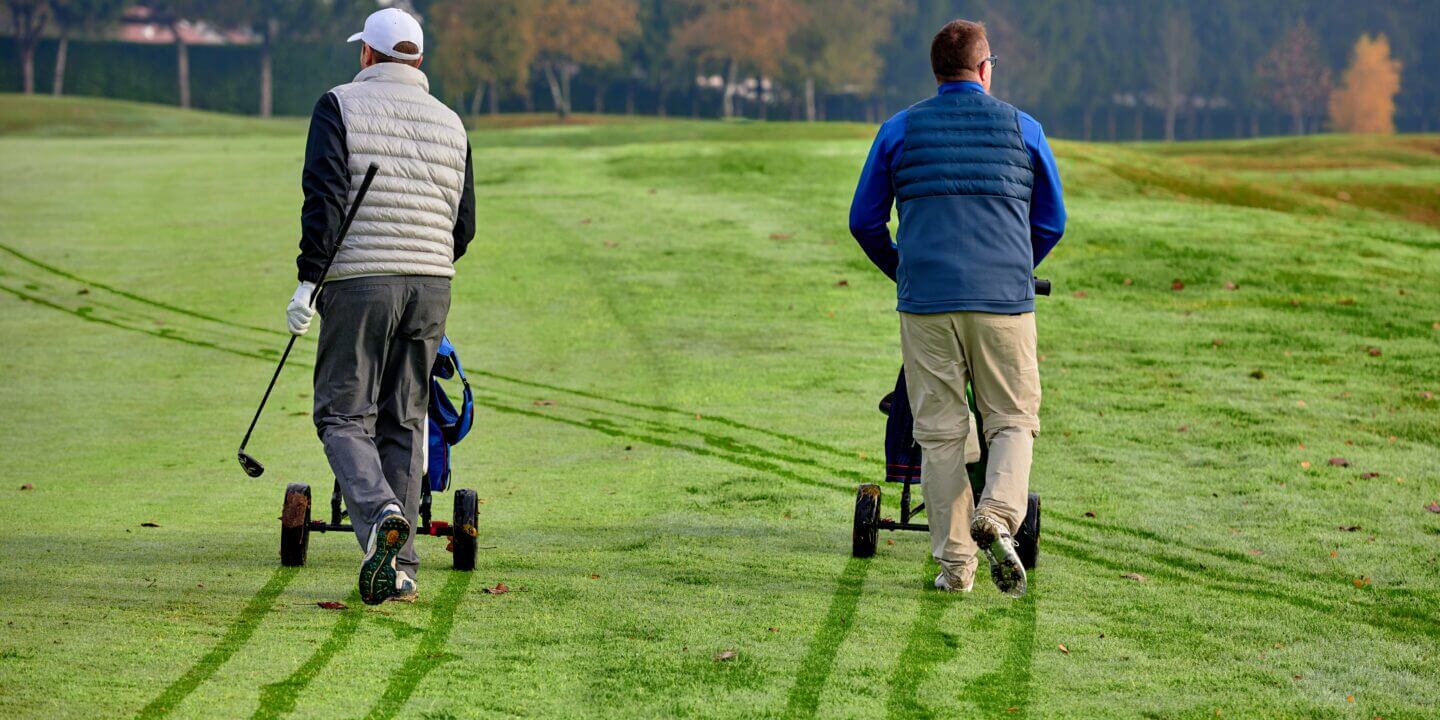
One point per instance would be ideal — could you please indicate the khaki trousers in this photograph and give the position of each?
(996, 354)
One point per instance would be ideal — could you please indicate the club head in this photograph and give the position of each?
(253, 468)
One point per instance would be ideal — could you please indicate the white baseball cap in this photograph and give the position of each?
(385, 29)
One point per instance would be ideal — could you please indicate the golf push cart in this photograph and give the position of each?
(902, 465)
(447, 427)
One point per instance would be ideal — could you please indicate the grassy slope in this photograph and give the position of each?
(705, 473)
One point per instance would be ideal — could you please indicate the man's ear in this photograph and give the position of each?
(419, 62)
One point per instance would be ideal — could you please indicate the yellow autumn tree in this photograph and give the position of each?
(1365, 100)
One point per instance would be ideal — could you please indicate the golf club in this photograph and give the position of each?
(252, 467)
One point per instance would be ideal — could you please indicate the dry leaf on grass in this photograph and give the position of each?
(1177, 285)
(1433, 507)
(499, 589)
(727, 655)
(781, 236)
(544, 403)
(1339, 462)
(331, 605)
(1374, 351)
(1231, 286)
(150, 523)
(1349, 528)
(1369, 475)
(1361, 582)
(1064, 649)
(27, 486)
(1137, 577)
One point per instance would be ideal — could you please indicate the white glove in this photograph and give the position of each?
(299, 312)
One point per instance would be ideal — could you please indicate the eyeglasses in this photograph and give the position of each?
(990, 60)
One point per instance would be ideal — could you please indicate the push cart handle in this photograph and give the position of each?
(1042, 286)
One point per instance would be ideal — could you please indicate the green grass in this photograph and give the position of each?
(689, 490)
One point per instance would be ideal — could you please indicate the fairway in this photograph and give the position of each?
(677, 351)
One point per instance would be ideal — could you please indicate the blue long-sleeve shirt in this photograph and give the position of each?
(875, 194)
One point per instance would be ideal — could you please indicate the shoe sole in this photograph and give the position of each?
(1005, 567)
(377, 574)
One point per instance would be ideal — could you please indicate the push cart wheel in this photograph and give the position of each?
(295, 525)
(867, 521)
(1029, 537)
(465, 529)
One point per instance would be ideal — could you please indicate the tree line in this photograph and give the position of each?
(1095, 69)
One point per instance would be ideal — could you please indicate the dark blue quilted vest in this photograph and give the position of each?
(963, 188)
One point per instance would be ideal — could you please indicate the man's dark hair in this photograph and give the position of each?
(958, 48)
(406, 47)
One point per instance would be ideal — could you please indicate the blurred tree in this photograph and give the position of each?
(742, 34)
(273, 21)
(1172, 70)
(1294, 75)
(837, 47)
(72, 15)
(28, 17)
(488, 46)
(573, 33)
(172, 14)
(1365, 100)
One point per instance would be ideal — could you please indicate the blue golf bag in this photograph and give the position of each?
(448, 425)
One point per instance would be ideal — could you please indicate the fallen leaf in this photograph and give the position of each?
(1339, 462)
(1257, 374)
(1334, 553)
(727, 655)
(1368, 475)
(1299, 403)
(594, 577)
(1183, 428)
(1089, 513)
(843, 283)
(1081, 294)
(1345, 301)
(149, 523)
(781, 236)
(1374, 351)
(27, 486)
(774, 629)
(1349, 698)
(1128, 281)
(1064, 649)
(1177, 285)
(1348, 528)
(1255, 551)
(1427, 395)
(1137, 577)
(1342, 196)
(499, 589)
(83, 291)
(889, 542)
(1231, 286)
(544, 403)
(1217, 342)
(1433, 507)
(1297, 677)
(586, 221)
(1304, 464)
(1361, 582)
(611, 244)
(1012, 709)
(332, 605)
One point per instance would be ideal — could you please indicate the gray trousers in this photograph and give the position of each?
(378, 339)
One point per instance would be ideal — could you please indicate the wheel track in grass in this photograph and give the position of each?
(235, 637)
(278, 699)
(825, 643)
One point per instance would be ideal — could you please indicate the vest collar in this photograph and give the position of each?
(394, 72)
(964, 86)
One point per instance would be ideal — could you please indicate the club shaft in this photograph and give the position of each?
(325, 271)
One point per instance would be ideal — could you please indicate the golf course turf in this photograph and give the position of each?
(676, 351)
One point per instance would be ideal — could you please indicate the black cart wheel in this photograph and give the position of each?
(1029, 537)
(462, 543)
(867, 521)
(295, 525)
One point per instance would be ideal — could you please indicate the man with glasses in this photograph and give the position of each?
(980, 206)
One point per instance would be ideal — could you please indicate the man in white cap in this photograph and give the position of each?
(388, 290)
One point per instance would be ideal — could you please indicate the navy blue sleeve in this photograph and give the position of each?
(326, 184)
(1047, 201)
(875, 195)
(465, 222)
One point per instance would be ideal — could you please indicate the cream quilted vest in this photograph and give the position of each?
(406, 225)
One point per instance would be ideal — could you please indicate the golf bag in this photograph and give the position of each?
(448, 425)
